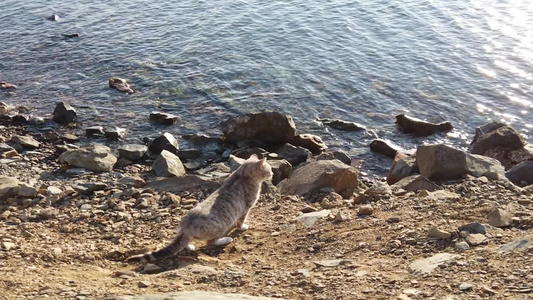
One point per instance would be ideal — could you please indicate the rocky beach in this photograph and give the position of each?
(76, 200)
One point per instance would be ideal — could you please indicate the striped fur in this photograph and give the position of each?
(225, 209)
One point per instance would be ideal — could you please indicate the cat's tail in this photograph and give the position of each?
(180, 241)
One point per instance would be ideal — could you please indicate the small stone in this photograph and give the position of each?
(164, 142)
(115, 133)
(144, 284)
(25, 141)
(500, 218)
(120, 84)
(339, 217)
(330, 263)
(394, 220)
(365, 210)
(476, 239)
(53, 191)
(462, 245)
(8, 245)
(309, 219)
(27, 191)
(163, 118)
(434, 232)
(168, 164)
(465, 287)
(94, 130)
(64, 113)
(152, 268)
(473, 228)
(308, 209)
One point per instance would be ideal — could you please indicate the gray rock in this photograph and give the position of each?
(53, 17)
(427, 265)
(345, 158)
(114, 133)
(195, 295)
(419, 127)
(168, 164)
(64, 113)
(235, 162)
(164, 142)
(294, 155)
(94, 130)
(268, 127)
(434, 232)
(486, 128)
(163, 118)
(87, 188)
(521, 174)
(27, 191)
(504, 136)
(177, 185)
(96, 158)
(415, 183)
(518, 245)
(8, 186)
(402, 168)
(132, 152)
(120, 84)
(281, 168)
(462, 245)
(385, 147)
(500, 218)
(379, 189)
(465, 287)
(5, 148)
(152, 268)
(310, 142)
(25, 141)
(319, 174)
(309, 219)
(330, 263)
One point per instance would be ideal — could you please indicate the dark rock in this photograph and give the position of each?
(335, 155)
(94, 130)
(521, 174)
(268, 127)
(294, 155)
(343, 125)
(114, 133)
(385, 147)
(164, 142)
(319, 174)
(71, 35)
(4, 85)
(25, 141)
(21, 119)
(281, 169)
(36, 120)
(120, 84)
(185, 183)
(481, 130)
(168, 164)
(416, 183)
(64, 113)
(505, 137)
(71, 138)
(310, 142)
(189, 153)
(419, 127)
(246, 153)
(132, 151)
(200, 139)
(163, 118)
(403, 166)
(54, 18)
(473, 228)
(50, 135)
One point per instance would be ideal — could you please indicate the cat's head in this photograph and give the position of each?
(257, 168)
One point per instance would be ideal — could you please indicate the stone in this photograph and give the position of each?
(504, 136)
(403, 166)
(64, 113)
(5, 108)
(144, 284)
(426, 265)
(319, 174)
(152, 268)
(25, 141)
(166, 141)
(385, 147)
(163, 118)
(120, 84)
(54, 18)
(415, 183)
(486, 128)
(473, 228)
(195, 295)
(27, 191)
(462, 245)
(444, 195)
(343, 125)
(267, 127)
(189, 153)
(168, 164)
(330, 263)
(48, 213)
(419, 127)
(4, 85)
(87, 188)
(434, 232)
(309, 219)
(281, 168)
(500, 218)
(310, 142)
(9, 154)
(379, 189)
(518, 245)
(8, 186)
(71, 138)
(96, 158)
(365, 210)
(94, 130)
(294, 155)
(134, 181)
(442, 162)
(178, 185)
(132, 152)
(235, 162)
(114, 133)
(521, 174)
(476, 239)
(465, 287)
(71, 35)
(8, 245)
(5, 148)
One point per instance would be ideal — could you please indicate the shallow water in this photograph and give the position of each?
(365, 61)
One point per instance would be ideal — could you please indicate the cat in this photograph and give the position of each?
(225, 209)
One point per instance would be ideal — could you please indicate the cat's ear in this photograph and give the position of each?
(261, 162)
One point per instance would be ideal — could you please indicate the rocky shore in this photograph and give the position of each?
(445, 224)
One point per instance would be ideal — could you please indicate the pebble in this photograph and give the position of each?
(462, 245)
(152, 268)
(365, 210)
(434, 232)
(144, 284)
(465, 287)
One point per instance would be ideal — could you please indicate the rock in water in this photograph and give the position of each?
(310, 142)
(5, 85)
(319, 174)
(420, 127)
(521, 174)
(500, 218)
(114, 133)
(53, 17)
(94, 130)
(163, 118)
(505, 137)
(64, 113)
(384, 147)
(343, 125)
(5, 108)
(196, 295)
(120, 84)
(268, 127)
(132, 151)
(166, 141)
(96, 158)
(168, 164)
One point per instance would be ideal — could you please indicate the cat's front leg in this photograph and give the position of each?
(241, 225)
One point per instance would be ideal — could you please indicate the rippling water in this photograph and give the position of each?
(363, 61)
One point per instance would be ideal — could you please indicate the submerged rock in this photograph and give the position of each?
(168, 164)
(166, 141)
(163, 118)
(120, 84)
(310, 142)
(94, 130)
(71, 35)
(340, 155)
(114, 133)
(419, 127)
(64, 113)
(5, 108)
(385, 147)
(5, 85)
(95, 158)
(343, 125)
(319, 174)
(54, 18)
(268, 127)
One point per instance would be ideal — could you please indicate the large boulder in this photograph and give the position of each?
(195, 295)
(442, 162)
(168, 164)
(504, 136)
(166, 141)
(8, 186)
(403, 166)
(521, 174)
(319, 174)
(268, 127)
(64, 113)
(310, 142)
(419, 127)
(95, 158)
